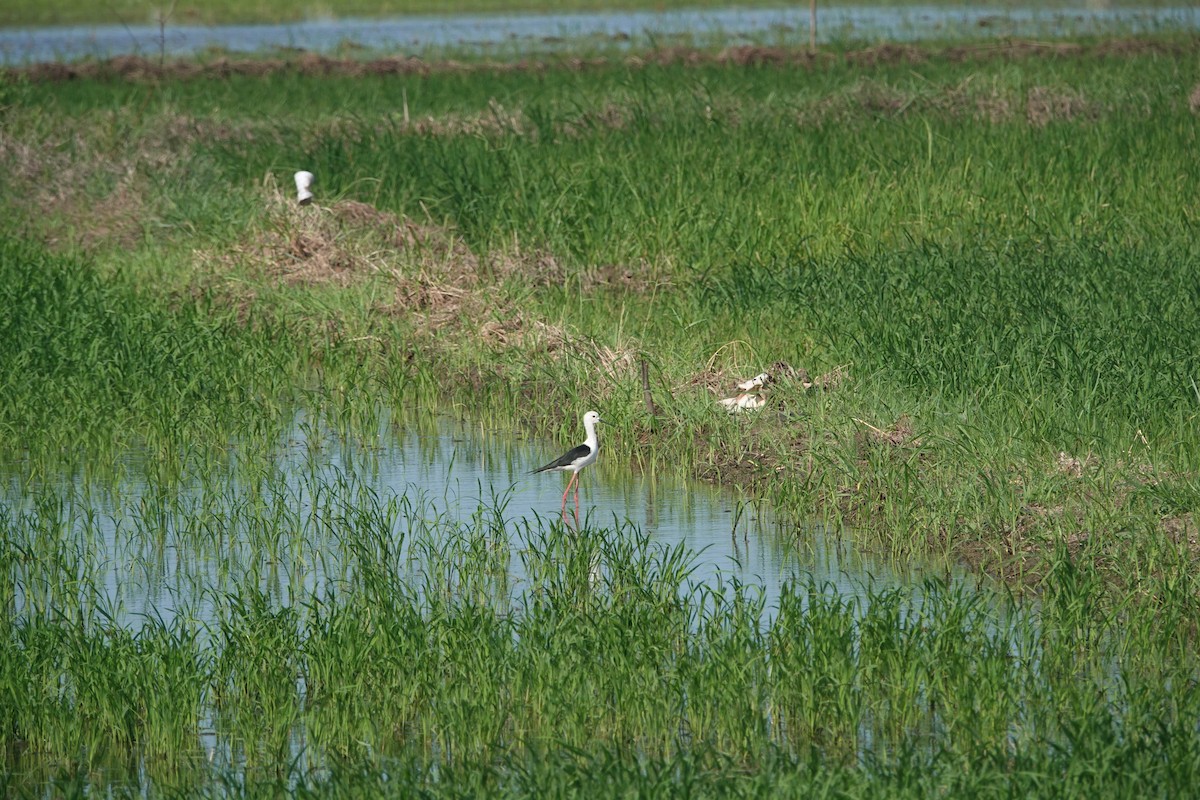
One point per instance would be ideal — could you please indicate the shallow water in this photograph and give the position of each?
(516, 33)
(291, 522)
(163, 552)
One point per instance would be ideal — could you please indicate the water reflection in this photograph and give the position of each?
(561, 31)
(289, 524)
(465, 469)
(438, 507)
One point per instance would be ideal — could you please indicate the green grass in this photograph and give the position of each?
(610, 656)
(997, 249)
(956, 233)
(90, 365)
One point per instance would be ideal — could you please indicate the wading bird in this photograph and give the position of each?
(576, 459)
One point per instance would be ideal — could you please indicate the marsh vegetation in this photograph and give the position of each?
(971, 269)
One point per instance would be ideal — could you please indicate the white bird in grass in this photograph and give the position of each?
(576, 459)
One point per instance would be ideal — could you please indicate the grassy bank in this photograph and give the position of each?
(969, 269)
(979, 257)
(92, 368)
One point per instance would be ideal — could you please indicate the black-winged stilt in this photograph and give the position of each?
(576, 459)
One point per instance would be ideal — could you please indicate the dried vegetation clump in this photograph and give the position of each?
(305, 244)
(1039, 107)
(1073, 466)
(495, 121)
(1183, 530)
(77, 198)
(139, 68)
(899, 434)
(554, 342)
(609, 117)
(1044, 105)
(446, 285)
(89, 182)
(865, 96)
(1194, 99)
(439, 284)
(350, 240)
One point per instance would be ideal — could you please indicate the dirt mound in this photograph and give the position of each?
(304, 244)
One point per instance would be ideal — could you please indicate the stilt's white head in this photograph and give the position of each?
(589, 424)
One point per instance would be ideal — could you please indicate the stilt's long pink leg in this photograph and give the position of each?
(564, 500)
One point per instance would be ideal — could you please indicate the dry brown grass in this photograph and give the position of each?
(1044, 105)
(75, 194)
(554, 342)
(138, 68)
(899, 434)
(434, 270)
(1183, 530)
(88, 181)
(1039, 107)
(1194, 99)
(438, 284)
(302, 244)
(495, 120)
(1073, 466)
(610, 116)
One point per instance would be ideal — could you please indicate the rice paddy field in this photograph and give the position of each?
(970, 269)
(207, 12)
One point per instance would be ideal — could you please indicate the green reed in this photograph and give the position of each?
(920, 243)
(925, 224)
(427, 653)
(955, 232)
(88, 361)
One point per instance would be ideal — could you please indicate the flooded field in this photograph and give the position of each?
(191, 573)
(548, 32)
(966, 273)
(165, 553)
